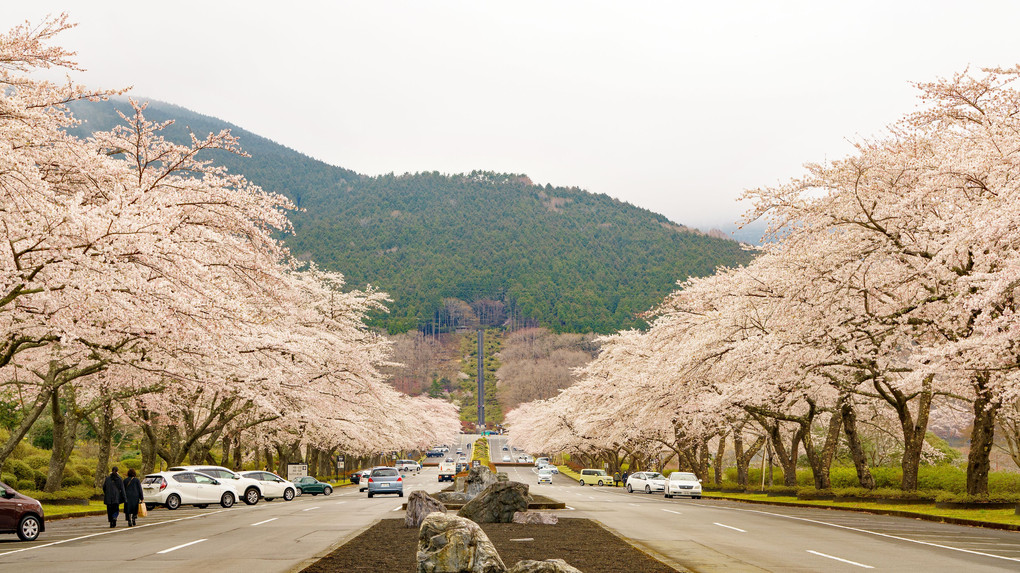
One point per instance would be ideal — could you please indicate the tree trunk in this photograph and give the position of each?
(65, 429)
(787, 457)
(914, 430)
(720, 452)
(853, 440)
(239, 455)
(981, 438)
(104, 431)
(744, 457)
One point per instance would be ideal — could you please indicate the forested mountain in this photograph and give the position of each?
(559, 257)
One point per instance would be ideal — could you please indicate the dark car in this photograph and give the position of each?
(308, 484)
(20, 514)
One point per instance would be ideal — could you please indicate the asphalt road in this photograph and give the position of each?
(270, 536)
(701, 535)
(715, 535)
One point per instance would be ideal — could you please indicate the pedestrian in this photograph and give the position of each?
(113, 495)
(132, 497)
(616, 479)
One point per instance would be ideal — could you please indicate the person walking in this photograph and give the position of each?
(113, 495)
(132, 497)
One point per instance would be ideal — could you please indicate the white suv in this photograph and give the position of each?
(247, 489)
(408, 466)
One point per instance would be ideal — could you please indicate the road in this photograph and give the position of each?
(716, 535)
(270, 536)
(704, 535)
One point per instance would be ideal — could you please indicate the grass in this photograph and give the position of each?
(93, 508)
(1001, 516)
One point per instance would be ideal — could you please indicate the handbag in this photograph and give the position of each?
(142, 510)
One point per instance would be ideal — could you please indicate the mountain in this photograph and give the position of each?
(460, 250)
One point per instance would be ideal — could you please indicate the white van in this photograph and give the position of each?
(447, 471)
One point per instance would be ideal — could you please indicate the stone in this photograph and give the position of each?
(536, 517)
(497, 503)
(419, 506)
(547, 566)
(460, 485)
(478, 479)
(452, 497)
(451, 544)
(501, 476)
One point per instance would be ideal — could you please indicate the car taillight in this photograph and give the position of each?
(369, 480)
(162, 486)
(400, 479)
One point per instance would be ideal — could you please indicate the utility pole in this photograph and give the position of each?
(481, 381)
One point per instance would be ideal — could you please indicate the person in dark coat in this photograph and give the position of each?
(133, 497)
(113, 495)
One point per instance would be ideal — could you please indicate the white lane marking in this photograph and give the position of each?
(838, 559)
(398, 508)
(886, 535)
(634, 504)
(591, 497)
(568, 507)
(671, 511)
(179, 547)
(339, 502)
(111, 532)
(729, 527)
(266, 521)
(311, 508)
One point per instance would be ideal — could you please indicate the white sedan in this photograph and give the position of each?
(273, 486)
(647, 482)
(174, 489)
(683, 483)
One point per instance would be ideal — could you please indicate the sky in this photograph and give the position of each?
(677, 107)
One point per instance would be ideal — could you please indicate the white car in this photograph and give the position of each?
(647, 482)
(540, 461)
(246, 489)
(408, 466)
(523, 460)
(176, 488)
(683, 483)
(545, 476)
(273, 486)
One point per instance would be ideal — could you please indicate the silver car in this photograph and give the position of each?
(385, 480)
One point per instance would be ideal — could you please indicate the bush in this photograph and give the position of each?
(20, 469)
(131, 464)
(10, 479)
(964, 498)
(24, 484)
(38, 461)
(812, 493)
(782, 490)
(40, 479)
(70, 481)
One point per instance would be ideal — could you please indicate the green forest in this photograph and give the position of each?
(562, 258)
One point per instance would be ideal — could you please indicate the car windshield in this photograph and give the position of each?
(384, 472)
(599, 472)
(682, 476)
(544, 472)
(656, 476)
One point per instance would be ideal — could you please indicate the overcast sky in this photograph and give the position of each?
(673, 106)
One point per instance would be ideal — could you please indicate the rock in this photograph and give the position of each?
(460, 485)
(536, 517)
(419, 506)
(451, 544)
(451, 497)
(478, 479)
(497, 503)
(547, 566)
(501, 476)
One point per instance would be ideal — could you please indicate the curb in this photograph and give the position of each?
(892, 512)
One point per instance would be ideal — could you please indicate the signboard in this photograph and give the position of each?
(295, 471)
(475, 463)
(340, 463)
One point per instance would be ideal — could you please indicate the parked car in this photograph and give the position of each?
(308, 484)
(683, 483)
(646, 482)
(246, 489)
(593, 476)
(173, 489)
(362, 479)
(20, 514)
(385, 480)
(273, 486)
(408, 466)
(544, 476)
(523, 459)
(506, 458)
(540, 461)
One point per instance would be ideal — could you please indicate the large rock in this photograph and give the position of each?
(547, 566)
(452, 497)
(419, 506)
(501, 476)
(478, 479)
(536, 517)
(497, 503)
(451, 544)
